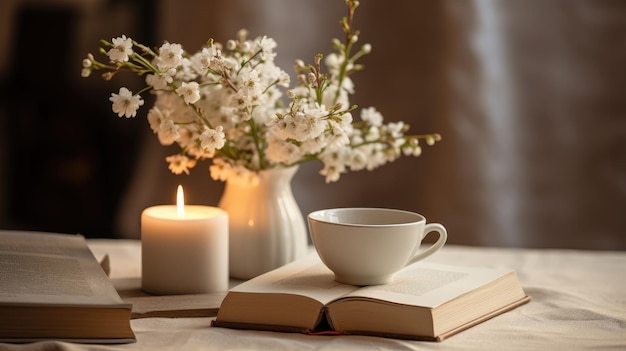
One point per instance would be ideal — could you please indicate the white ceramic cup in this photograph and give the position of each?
(367, 246)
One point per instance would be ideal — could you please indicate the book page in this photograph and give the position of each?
(308, 277)
(51, 268)
(42, 274)
(430, 284)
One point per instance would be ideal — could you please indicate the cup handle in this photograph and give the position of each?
(443, 236)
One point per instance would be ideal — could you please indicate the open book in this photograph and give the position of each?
(426, 301)
(52, 287)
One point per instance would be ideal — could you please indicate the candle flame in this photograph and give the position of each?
(180, 202)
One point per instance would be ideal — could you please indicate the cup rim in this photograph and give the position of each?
(315, 216)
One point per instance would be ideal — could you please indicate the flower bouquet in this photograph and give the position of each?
(229, 103)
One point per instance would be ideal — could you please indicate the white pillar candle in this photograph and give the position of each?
(184, 249)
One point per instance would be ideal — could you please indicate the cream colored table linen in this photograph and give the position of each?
(578, 303)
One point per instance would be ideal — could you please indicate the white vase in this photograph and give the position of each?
(266, 226)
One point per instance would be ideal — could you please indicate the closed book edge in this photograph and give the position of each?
(54, 275)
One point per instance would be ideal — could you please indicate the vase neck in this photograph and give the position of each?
(278, 174)
(274, 177)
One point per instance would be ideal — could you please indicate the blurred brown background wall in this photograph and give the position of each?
(530, 98)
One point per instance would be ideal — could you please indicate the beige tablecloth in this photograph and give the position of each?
(578, 303)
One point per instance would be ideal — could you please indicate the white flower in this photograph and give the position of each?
(155, 118)
(189, 135)
(373, 134)
(185, 71)
(313, 146)
(220, 63)
(333, 166)
(372, 116)
(225, 171)
(357, 159)
(170, 56)
(159, 81)
(204, 58)
(396, 129)
(122, 48)
(179, 164)
(125, 103)
(281, 151)
(190, 92)
(336, 137)
(212, 139)
(168, 132)
(249, 79)
(334, 62)
(176, 107)
(285, 127)
(376, 156)
(267, 46)
(310, 124)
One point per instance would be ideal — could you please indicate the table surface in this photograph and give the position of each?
(578, 303)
